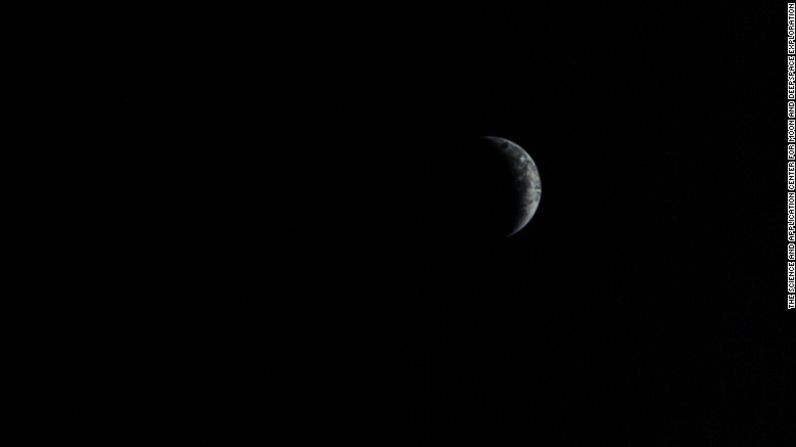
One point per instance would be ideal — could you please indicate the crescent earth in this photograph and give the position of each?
(526, 178)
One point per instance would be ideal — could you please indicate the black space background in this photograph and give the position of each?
(222, 244)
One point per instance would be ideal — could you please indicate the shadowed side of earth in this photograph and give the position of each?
(467, 193)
